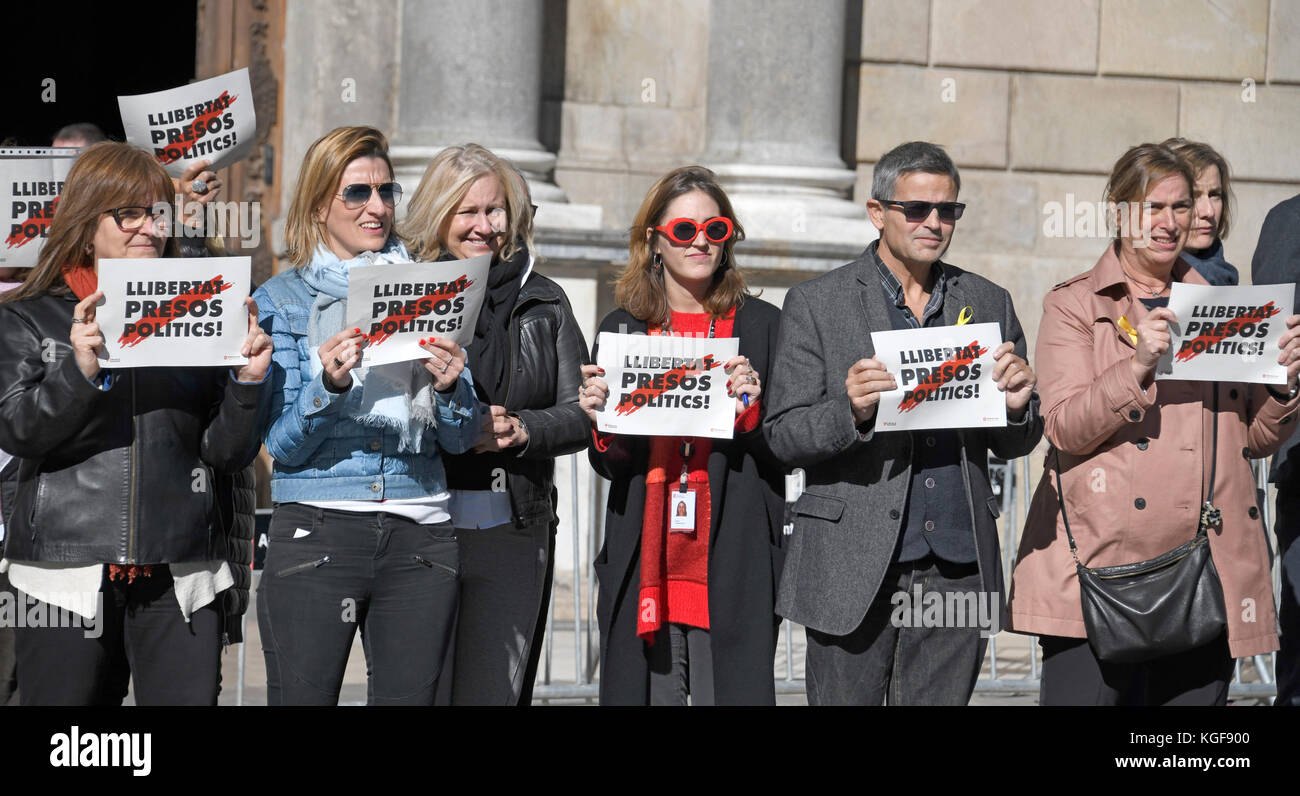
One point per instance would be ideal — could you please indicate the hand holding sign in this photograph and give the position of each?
(742, 379)
(446, 361)
(257, 348)
(1290, 345)
(594, 392)
(1014, 377)
(338, 356)
(85, 336)
(867, 379)
(198, 172)
(1153, 342)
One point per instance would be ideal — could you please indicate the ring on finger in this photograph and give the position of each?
(338, 363)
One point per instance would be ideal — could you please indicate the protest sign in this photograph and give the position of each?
(1226, 333)
(175, 312)
(667, 385)
(212, 120)
(31, 182)
(944, 376)
(398, 304)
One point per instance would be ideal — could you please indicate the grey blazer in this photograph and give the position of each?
(848, 521)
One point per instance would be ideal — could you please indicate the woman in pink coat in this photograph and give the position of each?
(1134, 455)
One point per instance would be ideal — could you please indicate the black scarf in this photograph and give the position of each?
(488, 358)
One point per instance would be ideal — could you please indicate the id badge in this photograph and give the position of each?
(681, 511)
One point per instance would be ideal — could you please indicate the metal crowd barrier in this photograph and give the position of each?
(579, 680)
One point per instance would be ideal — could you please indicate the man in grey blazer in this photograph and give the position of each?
(1276, 261)
(889, 519)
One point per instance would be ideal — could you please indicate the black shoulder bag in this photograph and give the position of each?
(1165, 605)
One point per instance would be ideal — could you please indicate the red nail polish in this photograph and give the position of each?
(356, 331)
(423, 341)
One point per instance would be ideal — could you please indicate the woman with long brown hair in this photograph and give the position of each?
(689, 613)
(107, 524)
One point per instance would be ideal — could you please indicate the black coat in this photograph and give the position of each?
(547, 353)
(109, 475)
(746, 484)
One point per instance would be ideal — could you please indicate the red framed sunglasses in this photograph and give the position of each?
(685, 230)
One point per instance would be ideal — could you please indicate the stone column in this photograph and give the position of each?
(773, 129)
(471, 72)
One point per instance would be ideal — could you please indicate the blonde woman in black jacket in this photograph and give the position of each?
(526, 358)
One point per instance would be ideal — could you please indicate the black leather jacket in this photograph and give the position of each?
(123, 475)
(547, 352)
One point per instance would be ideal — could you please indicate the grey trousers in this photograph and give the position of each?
(505, 590)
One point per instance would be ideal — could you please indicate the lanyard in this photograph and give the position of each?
(688, 443)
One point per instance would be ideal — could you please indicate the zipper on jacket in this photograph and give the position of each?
(322, 561)
(131, 457)
(429, 563)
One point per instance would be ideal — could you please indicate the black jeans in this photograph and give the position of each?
(1072, 675)
(139, 634)
(329, 573)
(505, 590)
(904, 652)
(8, 663)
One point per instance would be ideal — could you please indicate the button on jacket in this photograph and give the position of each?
(124, 475)
(322, 454)
(1134, 465)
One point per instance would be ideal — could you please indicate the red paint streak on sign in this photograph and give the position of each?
(629, 406)
(423, 306)
(219, 106)
(937, 378)
(42, 221)
(1223, 332)
(206, 290)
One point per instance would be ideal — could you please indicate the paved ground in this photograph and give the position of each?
(1008, 663)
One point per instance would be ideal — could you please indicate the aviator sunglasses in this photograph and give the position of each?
(685, 230)
(920, 211)
(358, 193)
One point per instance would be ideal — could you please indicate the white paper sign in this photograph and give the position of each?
(31, 181)
(185, 311)
(944, 376)
(1227, 333)
(667, 386)
(212, 119)
(398, 304)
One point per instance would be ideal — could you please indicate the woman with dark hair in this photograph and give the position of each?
(107, 523)
(526, 356)
(1211, 210)
(1136, 463)
(361, 536)
(689, 613)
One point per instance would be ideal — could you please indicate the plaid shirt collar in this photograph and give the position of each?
(894, 288)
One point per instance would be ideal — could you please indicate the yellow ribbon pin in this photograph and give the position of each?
(966, 315)
(1128, 327)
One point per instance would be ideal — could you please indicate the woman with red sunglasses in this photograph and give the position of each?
(689, 613)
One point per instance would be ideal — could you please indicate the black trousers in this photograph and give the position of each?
(8, 660)
(330, 573)
(1072, 675)
(505, 591)
(139, 633)
(1287, 527)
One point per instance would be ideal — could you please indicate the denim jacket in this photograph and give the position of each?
(320, 451)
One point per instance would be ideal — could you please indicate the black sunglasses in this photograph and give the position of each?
(920, 211)
(357, 194)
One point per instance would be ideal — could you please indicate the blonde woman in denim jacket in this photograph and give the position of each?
(361, 536)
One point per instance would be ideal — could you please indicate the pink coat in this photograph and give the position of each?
(1134, 463)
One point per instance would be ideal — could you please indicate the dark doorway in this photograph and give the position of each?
(92, 53)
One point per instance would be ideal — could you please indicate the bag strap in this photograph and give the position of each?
(1209, 500)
